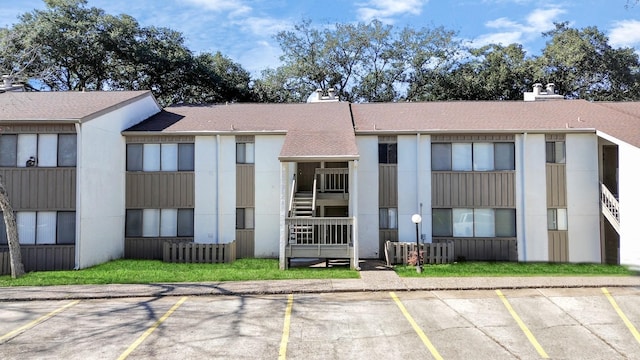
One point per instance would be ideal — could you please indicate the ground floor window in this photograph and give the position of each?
(43, 228)
(159, 223)
(467, 222)
(388, 218)
(557, 219)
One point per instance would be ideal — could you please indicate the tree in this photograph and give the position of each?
(15, 255)
(583, 65)
(83, 48)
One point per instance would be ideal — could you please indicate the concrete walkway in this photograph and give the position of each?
(373, 277)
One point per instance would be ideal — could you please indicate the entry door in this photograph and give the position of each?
(306, 172)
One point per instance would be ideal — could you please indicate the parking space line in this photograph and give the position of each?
(624, 318)
(37, 321)
(152, 329)
(282, 354)
(416, 328)
(523, 327)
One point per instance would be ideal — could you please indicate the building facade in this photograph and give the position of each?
(544, 180)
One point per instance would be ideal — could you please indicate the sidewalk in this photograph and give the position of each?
(374, 277)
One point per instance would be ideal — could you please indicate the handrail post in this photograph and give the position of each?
(293, 192)
(315, 190)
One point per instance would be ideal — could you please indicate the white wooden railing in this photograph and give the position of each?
(292, 195)
(333, 179)
(610, 207)
(319, 230)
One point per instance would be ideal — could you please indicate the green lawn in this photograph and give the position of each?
(151, 271)
(513, 269)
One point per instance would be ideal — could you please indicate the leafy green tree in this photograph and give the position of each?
(583, 65)
(69, 46)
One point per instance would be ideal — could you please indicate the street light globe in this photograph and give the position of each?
(416, 218)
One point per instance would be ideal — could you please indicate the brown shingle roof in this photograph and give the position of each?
(317, 130)
(483, 116)
(62, 105)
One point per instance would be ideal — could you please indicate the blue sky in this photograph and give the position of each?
(243, 29)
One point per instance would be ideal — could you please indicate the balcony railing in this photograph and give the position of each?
(333, 180)
(320, 231)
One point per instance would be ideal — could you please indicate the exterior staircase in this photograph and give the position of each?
(302, 207)
(610, 207)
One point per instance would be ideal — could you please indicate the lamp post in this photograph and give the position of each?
(416, 219)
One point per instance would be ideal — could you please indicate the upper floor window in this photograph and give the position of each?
(44, 150)
(387, 153)
(245, 153)
(557, 219)
(556, 152)
(160, 157)
(477, 156)
(245, 218)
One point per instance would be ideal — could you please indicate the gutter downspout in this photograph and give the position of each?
(218, 179)
(418, 171)
(523, 176)
(79, 195)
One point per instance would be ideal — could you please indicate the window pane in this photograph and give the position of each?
(552, 224)
(151, 222)
(46, 229)
(505, 222)
(239, 218)
(8, 150)
(560, 152)
(185, 157)
(462, 222)
(248, 218)
(505, 157)
(392, 153)
(483, 156)
(441, 157)
(185, 222)
(562, 219)
(3, 231)
(383, 156)
(133, 226)
(66, 227)
(134, 157)
(169, 222)
(484, 223)
(393, 218)
(151, 157)
(27, 148)
(461, 157)
(169, 157)
(551, 152)
(67, 149)
(240, 152)
(442, 222)
(383, 218)
(26, 227)
(48, 150)
(249, 153)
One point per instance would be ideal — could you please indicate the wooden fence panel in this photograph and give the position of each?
(484, 249)
(432, 253)
(187, 252)
(147, 248)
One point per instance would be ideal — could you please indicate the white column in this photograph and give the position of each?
(353, 211)
(283, 214)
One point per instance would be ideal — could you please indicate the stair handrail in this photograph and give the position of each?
(313, 201)
(292, 195)
(611, 205)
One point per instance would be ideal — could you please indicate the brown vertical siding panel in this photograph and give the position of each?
(245, 185)
(556, 185)
(245, 243)
(154, 190)
(484, 249)
(388, 185)
(41, 189)
(148, 248)
(558, 246)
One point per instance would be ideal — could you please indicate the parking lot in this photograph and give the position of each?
(581, 323)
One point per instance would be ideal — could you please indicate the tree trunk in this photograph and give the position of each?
(15, 257)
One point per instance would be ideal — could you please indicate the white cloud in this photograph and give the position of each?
(625, 33)
(509, 31)
(384, 10)
(263, 27)
(233, 7)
